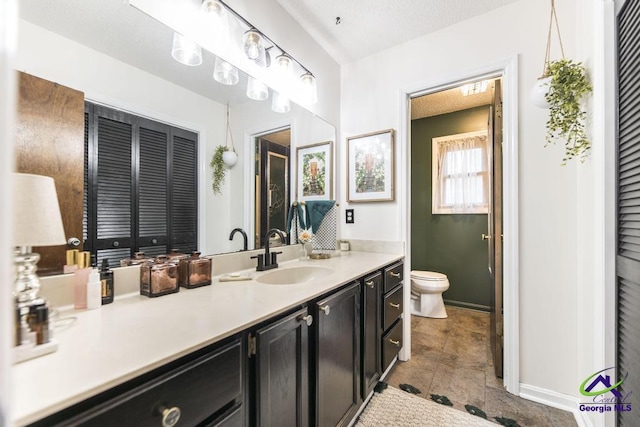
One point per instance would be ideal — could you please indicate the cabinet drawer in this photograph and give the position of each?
(198, 389)
(392, 276)
(391, 308)
(391, 344)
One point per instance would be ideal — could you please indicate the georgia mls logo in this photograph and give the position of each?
(606, 396)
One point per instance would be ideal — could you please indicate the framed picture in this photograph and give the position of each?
(315, 169)
(370, 175)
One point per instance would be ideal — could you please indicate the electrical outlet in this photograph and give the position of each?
(349, 216)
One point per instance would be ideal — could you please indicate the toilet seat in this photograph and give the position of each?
(428, 275)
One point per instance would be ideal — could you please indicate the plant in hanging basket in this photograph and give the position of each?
(567, 87)
(218, 170)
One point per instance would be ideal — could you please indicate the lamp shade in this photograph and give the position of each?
(280, 103)
(36, 213)
(309, 88)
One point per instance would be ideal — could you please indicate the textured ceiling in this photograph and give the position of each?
(448, 101)
(369, 26)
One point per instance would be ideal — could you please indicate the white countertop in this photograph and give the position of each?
(136, 334)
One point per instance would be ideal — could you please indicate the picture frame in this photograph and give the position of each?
(370, 167)
(315, 171)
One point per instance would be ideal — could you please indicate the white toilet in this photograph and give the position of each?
(426, 293)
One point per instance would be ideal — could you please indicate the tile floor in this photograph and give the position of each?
(452, 357)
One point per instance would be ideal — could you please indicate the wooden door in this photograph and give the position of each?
(50, 141)
(494, 220)
(628, 210)
(371, 291)
(282, 377)
(338, 357)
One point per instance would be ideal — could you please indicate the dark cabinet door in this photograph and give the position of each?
(338, 357)
(371, 291)
(282, 377)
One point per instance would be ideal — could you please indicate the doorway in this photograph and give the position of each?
(272, 182)
(456, 196)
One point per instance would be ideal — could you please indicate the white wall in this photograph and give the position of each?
(548, 203)
(8, 34)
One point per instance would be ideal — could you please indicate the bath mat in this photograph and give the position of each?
(396, 408)
(409, 389)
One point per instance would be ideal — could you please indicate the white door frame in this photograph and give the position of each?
(508, 70)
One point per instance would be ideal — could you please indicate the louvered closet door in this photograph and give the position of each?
(153, 188)
(184, 185)
(628, 257)
(113, 185)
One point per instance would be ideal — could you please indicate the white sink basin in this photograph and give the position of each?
(293, 275)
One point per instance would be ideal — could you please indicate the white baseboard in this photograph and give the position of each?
(555, 400)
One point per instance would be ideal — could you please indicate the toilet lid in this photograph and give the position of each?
(428, 275)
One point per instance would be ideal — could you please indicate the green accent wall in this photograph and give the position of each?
(448, 244)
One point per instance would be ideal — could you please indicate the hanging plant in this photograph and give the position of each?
(567, 87)
(218, 170)
(224, 155)
(561, 88)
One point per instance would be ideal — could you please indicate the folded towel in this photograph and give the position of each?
(316, 210)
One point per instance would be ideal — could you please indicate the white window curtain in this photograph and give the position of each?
(460, 174)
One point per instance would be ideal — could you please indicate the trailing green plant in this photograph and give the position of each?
(218, 170)
(568, 85)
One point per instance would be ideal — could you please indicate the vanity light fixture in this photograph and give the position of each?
(257, 90)
(186, 51)
(36, 222)
(280, 103)
(309, 88)
(225, 73)
(284, 66)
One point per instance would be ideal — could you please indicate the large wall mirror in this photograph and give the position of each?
(66, 42)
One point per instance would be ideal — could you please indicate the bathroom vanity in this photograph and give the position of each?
(230, 354)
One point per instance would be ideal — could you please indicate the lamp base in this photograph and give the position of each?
(27, 283)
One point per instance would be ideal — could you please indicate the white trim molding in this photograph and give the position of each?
(507, 69)
(556, 400)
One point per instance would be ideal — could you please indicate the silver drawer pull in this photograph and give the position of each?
(394, 305)
(170, 416)
(369, 283)
(326, 309)
(308, 319)
(394, 342)
(396, 275)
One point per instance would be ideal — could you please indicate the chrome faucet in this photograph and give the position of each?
(268, 260)
(244, 236)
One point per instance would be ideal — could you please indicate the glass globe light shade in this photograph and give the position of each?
(309, 88)
(225, 73)
(185, 51)
(257, 90)
(280, 103)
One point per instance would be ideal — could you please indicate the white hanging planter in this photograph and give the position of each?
(230, 158)
(539, 92)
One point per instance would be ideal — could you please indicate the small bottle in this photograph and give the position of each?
(41, 325)
(106, 279)
(80, 278)
(94, 290)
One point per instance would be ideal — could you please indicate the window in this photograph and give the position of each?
(140, 184)
(460, 179)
